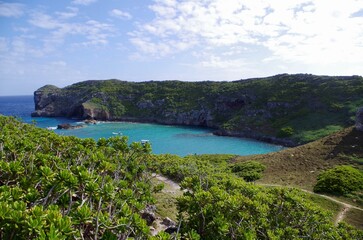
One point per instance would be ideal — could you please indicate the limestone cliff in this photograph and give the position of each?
(290, 109)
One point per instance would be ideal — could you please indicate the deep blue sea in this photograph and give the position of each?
(163, 138)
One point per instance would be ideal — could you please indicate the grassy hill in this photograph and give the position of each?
(287, 109)
(300, 166)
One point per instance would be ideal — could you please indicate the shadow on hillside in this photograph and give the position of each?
(351, 146)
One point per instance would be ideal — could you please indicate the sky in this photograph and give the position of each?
(62, 42)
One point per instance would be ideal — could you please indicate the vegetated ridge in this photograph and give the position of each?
(284, 109)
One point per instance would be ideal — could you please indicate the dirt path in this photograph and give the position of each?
(342, 213)
(173, 187)
(168, 195)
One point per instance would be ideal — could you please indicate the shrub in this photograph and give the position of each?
(250, 171)
(285, 132)
(340, 180)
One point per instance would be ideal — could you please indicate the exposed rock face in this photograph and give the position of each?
(359, 119)
(50, 101)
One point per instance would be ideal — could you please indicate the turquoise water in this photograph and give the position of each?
(164, 139)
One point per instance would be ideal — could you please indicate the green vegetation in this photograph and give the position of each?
(250, 171)
(57, 187)
(300, 108)
(286, 132)
(300, 166)
(219, 205)
(340, 180)
(327, 205)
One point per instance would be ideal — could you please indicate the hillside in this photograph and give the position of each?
(285, 109)
(59, 187)
(300, 166)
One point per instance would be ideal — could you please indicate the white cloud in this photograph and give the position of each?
(303, 31)
(11, 9)
(44, 21)
(120, 14)
(83, 2)
(218, 62)
(3, 44)
(73, 12)
(95, 32)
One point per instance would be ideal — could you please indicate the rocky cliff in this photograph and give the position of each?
(359, 119)
(290, 109)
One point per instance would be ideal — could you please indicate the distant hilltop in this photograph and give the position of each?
(285, 109)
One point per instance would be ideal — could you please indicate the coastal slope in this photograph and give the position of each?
(285, 109)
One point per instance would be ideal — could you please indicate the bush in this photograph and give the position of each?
(340, 180)
(250, 171)
(285, 132)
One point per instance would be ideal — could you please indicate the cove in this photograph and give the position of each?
(179, 140)
(164, 139)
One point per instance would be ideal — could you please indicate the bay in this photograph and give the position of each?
(178, 140)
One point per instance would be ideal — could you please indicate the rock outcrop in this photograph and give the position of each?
(359, 119)
(67, 126)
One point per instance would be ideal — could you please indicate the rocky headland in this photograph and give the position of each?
(284, 109)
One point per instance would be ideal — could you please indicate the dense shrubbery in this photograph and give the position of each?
(250, 171)
(219, 205)
(228, 208)
(56, 187)
(340, 180)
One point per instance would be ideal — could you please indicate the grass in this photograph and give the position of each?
(354, 217)
(299, 166)
(310, 135)
(166, 200)
(326, 204)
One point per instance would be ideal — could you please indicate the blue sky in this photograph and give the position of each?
(63, 42)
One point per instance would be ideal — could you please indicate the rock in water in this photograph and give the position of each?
(67, 126)
(64, 126)
(359, 119)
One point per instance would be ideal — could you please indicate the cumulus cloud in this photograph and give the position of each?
(120, 14)
(304, 31)
(11, 9)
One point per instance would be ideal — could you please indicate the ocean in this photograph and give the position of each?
(179, 140)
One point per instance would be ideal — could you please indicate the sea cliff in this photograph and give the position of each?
(284, 109)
